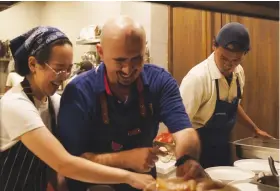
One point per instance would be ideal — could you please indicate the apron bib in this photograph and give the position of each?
(215, 135)
(118, 132)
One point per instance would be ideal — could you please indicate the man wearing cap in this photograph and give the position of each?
(212, 91)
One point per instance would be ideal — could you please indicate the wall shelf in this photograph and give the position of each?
(88, 42)
(5, 60)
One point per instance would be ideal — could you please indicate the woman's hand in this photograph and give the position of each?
(139, 181)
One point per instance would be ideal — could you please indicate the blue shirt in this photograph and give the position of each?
(79, 98)
(79, 107)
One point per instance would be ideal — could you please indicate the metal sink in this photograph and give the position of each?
(257, 148)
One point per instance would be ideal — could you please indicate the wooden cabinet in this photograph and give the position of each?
(191, 34)
(261, 66)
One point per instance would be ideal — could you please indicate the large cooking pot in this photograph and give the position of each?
(269, 180)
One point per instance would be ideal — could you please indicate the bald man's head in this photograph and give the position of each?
(122, 49)
(122, 27)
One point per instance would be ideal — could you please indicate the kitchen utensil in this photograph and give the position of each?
(229, 173)
(268, 180)
(272, 167)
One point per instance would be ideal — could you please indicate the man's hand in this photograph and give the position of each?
(142, 159)
(191, 169)
(262, 134)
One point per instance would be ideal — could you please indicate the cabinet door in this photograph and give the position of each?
(191, 34)
(261, 66)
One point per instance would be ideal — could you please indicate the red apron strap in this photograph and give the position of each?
(104, 108)
(140, 89)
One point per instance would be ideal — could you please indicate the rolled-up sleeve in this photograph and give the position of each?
(172, 110)
(72, 121)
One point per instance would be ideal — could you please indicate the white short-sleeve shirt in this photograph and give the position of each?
(13, 79)
(18, 115)
(198, 90)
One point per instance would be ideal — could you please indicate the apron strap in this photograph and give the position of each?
(239, 96)
(104, 108)
(217, 89)
(28, 91)
(142, 105)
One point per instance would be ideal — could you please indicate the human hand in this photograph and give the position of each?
(140, 181)
(142, 159)
(191, 169)
(262, 134)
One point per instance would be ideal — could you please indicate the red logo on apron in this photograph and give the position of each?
(116, 146)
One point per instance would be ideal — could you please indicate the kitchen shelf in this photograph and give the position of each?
(88, 42)
(5, 60)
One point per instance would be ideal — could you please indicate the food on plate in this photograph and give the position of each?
(165, 137)
(177, 184)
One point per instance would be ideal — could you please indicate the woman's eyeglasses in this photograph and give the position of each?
(61, 75)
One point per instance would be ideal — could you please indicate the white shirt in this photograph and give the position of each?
(19, 115)
(198, 90)
(13, 79)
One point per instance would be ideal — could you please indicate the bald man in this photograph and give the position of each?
(110, 115)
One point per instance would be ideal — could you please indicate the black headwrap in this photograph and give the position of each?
(30, 43)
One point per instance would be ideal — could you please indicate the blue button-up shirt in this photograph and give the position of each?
(78, 104)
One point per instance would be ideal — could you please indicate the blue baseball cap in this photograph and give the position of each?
(234, 37)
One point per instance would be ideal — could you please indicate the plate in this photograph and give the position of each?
(255, 165)
(229, 173)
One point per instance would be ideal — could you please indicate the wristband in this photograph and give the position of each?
(183, 159)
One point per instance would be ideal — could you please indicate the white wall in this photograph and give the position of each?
(71, 17)
(159, 34)
(19, 19)
(14, 21)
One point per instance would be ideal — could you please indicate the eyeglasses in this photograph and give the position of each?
(61, 75)
(232, 63)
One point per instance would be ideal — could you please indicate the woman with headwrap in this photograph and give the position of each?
(43, 56)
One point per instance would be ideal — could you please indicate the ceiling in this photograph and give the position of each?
(260, 9)
(6, 4)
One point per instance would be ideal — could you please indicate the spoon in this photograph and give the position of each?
(272, 167)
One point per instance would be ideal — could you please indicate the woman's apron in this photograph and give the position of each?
(215, 135)
(20, 169)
